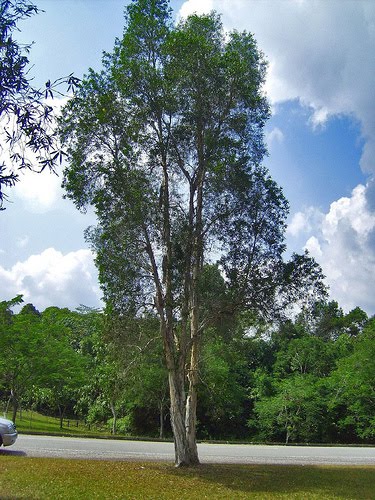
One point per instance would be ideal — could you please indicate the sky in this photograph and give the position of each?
(321, 141)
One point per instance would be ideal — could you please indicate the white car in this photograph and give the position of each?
(8, 432)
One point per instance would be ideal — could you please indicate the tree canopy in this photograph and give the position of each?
(37, 358)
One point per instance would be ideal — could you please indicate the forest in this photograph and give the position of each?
(310, 380)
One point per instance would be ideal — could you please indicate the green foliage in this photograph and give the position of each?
(293, 384)
(305, 355)
(164, 92)
(353, 387)
(222, 392)
(319, 387)
(296, 410)
(124, 425)
(27, 119)
(328, 321)
(21, 343)
(38, 362)
(134, 345)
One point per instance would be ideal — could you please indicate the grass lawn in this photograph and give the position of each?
(30, 421)
(43, 478)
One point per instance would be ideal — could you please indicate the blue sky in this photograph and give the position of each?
(321, 141)
(314, 166)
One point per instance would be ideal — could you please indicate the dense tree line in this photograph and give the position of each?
(311, 379)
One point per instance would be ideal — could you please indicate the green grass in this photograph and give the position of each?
(32, 422)
(35, 478)
(42, 478)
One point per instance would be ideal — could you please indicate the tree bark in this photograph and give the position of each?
(61, 414)
(184, 438)
(8, 403)
(14, 407)
(191, 406)
(178, 419)
(114, 420)
(161, 419)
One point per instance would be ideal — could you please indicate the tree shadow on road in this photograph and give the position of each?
(12, 453)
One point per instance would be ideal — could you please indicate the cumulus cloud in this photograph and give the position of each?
(303, 222)
(196, 6)
(319, 52)
(53, 279)
(343, 244)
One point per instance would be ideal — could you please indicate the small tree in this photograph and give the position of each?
(21, 343)
(36, 354)
(167, 142)
(296, 410)
(63, 371)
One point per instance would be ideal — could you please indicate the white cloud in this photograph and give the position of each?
(52, 278)
(313, 246)
(298, 224)
(196, 6)
(40, 192)
(354, 211)
(319, 51)
(274, 136)
(303, 222)
(343, 244)
(319, 117)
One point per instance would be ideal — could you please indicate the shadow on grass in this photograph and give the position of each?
(286, 481)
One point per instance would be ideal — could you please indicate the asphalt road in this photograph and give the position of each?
(100, 449)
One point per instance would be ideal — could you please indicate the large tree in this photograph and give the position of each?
(166, 142)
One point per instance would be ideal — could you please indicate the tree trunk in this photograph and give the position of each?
(161, 419)
(287, 434)
(14, 407)
(8, 403)
(192, 399)
(185, 452)
(61, 414)
(194, 303)
(114, 421)
(191, 423)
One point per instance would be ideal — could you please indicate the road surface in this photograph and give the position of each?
(103, 449)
